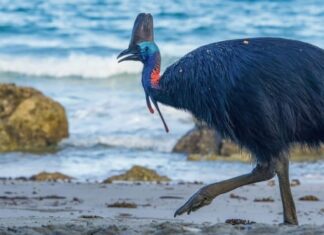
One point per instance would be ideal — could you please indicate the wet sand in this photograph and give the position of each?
(28, 207)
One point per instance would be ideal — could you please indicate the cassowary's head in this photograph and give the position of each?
(142, 48)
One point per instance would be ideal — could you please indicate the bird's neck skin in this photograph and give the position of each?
(152, 80)
(151, 72)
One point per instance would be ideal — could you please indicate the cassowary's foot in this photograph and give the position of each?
(196, 201)
(206, 194)
(290, 218)
(291, 221)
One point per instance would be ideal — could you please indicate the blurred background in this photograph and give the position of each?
(67, 49)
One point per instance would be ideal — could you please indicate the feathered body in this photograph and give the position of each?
(262, 93)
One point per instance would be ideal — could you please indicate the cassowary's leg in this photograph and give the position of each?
(205, 195)
(282, 170)
(218, 142)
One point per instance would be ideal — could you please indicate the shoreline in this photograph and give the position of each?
(140, 207)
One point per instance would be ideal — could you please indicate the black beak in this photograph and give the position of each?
(130, 54)
(142, 31)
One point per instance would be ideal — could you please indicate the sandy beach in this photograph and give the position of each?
(70, 111)
(28, 207)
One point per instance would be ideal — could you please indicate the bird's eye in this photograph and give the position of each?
(146, 49)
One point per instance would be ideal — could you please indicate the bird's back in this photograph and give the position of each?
(263, 93)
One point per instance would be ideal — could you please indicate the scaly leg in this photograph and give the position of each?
(205, 195)
(282, 170)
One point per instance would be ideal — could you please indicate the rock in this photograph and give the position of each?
(303, 153)
(29, 121)
(197, 141)
(204, 144)
(244, 157)
(229, 148)
(309, 198)
(138, 173)
(295, 182)
(202, 157)
(55, 176)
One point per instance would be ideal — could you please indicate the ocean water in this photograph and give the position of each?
(68, 49)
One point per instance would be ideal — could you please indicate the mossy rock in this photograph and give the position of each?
(138, 173)
(302, 153)
(47, 176)
(200, 144)
(197, 141)
(244, 157)
(29, 121)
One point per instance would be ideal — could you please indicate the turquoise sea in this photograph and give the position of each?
(68, 49)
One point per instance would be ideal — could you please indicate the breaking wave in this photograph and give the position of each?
(75, 65)
(81, 64)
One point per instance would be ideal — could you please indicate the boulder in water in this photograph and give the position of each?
(29, 121)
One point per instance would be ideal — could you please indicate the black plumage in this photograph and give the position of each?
(263, 93)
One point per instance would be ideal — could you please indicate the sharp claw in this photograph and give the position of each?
(176, 214)
(180, 211)
(194, 203)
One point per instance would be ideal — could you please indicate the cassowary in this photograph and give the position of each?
(262, 93)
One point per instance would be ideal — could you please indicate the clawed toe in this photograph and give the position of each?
(198, 200)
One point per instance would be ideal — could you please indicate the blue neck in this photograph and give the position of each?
(150, 71)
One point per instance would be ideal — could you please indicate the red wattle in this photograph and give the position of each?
(151, 109)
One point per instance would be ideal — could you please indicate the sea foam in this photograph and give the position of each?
(75, 65)
(81, 64)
